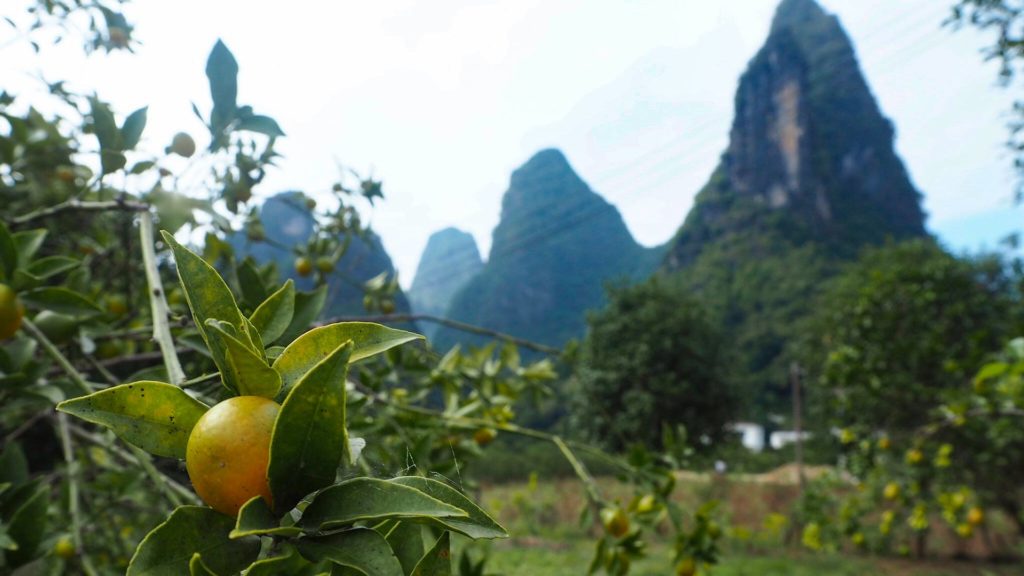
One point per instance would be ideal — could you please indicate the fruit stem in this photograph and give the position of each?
(157, 301)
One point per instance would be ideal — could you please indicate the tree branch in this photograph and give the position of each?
(82, 206)
(157, 302)
(455, 324)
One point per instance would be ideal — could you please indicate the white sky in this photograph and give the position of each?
(443, 99)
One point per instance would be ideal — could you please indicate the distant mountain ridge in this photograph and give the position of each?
(450, 260)
(555, 246)
(288, 224)
(810, 177)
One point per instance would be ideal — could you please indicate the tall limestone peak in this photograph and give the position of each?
(808, 146)
(810, 177)
(450, 259)
(555, 246)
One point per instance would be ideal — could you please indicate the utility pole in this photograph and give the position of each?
(798, 424)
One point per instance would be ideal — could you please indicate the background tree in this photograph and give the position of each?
(902, 325)
(652, 359)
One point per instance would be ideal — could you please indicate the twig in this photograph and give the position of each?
(82, 206)
(462, 326)
(72, 464)
(157, 302)
(54, 353)
(593, 496)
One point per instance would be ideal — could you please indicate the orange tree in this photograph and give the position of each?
(93, 322)
(928, 421)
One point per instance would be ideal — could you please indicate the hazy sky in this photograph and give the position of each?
(443, 99)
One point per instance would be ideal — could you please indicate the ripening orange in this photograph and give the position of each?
(11, 312)
(228, 452)
(303, 266)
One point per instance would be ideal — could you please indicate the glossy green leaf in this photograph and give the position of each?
(273, 316)
(196, 566)
(308, 349)
(132, 129)
(478, 525)
(437, 561)
(154, 416)
(260, 124)
(406, 539)
(256, 519)
(8, 253)
(307, 309)
(309, 438)
(51, 266)
(359, 548)
(27, 525)
(222, 72)
(59, 299)
(250, 372)
(371, 499)
(209, 298)
(168, 549)
(287, 562)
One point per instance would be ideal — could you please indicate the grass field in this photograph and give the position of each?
(570, 558)
(549, 541)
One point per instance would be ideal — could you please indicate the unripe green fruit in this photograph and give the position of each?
(183, 145)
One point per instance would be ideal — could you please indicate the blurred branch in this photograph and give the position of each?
(157, 302)
(455, 324)
(82, 206)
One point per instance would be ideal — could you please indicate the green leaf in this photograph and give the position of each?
(261, 124)
(222, 72)
(209, 298)
(477, 525)
(112, 160)
(360, 548)
(309, 438)
(406, 539)
(51, 266)
(256, 519)
(371, 499)
(288, 562)
(132, 129)
(249, 371)
(104, 125)
(308, 349)
(60, 300)
(251, 283)
(154, 416)
(307, 308)
(168, 549)
(13, 465)
(438, 561)
(27, 243)
(27, 526)
(8, 253)
(273, 316)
